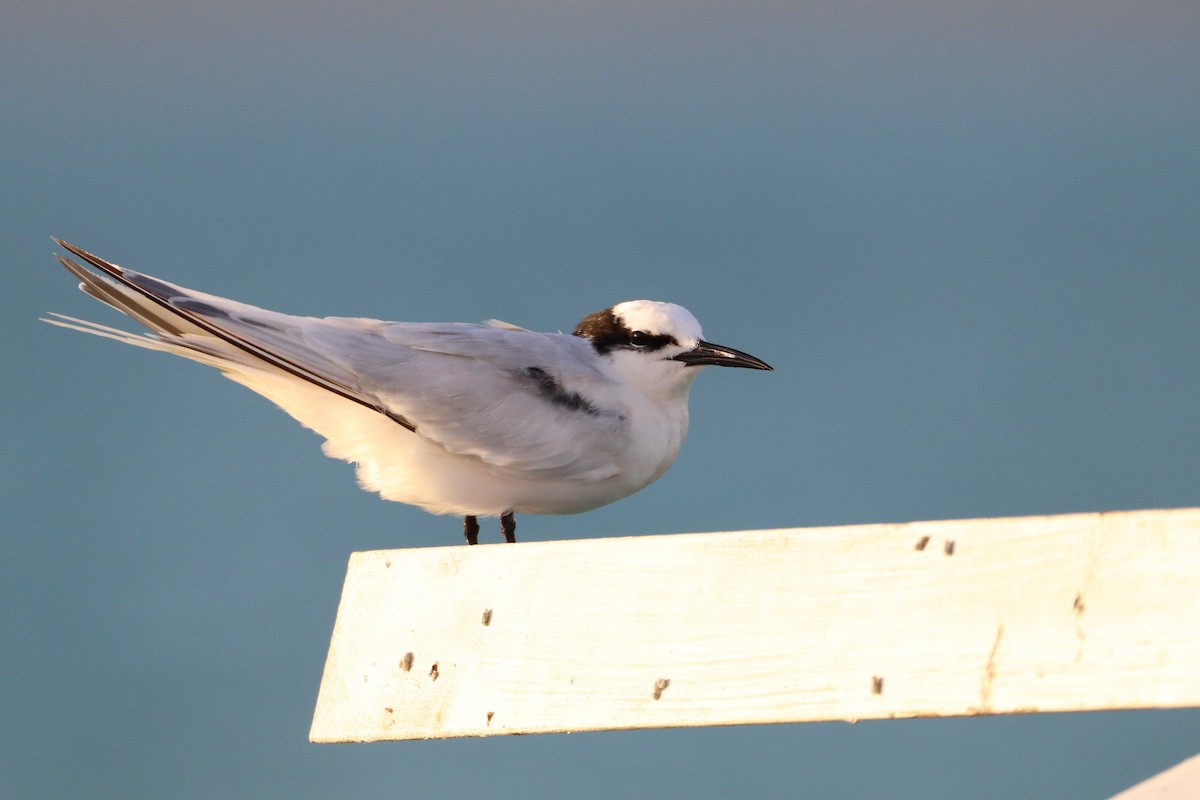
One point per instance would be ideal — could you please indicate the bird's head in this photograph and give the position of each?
(656, 346)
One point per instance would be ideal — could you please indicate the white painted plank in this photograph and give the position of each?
(1063, 613)
(1180, 782)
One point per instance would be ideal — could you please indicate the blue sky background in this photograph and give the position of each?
(966, 236)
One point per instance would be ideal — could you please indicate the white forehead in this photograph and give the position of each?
(653, 316)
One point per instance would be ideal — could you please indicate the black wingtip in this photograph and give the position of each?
(72, 248)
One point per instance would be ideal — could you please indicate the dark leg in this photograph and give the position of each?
(508, 524)
(471, 530)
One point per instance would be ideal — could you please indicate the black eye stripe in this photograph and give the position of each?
(607, 333)
(649, 341)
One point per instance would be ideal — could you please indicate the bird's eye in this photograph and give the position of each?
(639, 338)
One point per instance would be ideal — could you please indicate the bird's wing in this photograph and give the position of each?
(513, 399)
(510, 397)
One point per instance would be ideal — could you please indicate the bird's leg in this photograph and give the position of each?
(508, 525)
(471, 529)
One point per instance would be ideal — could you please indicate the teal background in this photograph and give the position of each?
(965, 235)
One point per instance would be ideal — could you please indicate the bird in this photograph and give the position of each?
(467, 419)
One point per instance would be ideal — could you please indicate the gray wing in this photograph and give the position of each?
(512, 398)
(509, 397)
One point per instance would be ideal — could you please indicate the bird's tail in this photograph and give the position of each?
(241, 340)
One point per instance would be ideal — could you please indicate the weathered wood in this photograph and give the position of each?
(985, 616)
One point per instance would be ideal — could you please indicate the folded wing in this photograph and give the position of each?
(468, 389)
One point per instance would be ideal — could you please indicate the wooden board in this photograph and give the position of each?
(1180, 782)
(985, 616)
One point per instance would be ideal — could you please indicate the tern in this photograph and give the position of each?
(467, 419)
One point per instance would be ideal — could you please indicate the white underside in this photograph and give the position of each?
(403, 466)
(407, 467)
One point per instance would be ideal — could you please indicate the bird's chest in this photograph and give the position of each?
(655, 436)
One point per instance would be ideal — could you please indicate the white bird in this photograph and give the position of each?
(473, 420)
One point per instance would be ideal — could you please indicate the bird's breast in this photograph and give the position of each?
(655, 435)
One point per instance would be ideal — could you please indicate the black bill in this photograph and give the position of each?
(719, 355)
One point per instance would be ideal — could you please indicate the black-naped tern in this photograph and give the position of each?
(473, 420)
